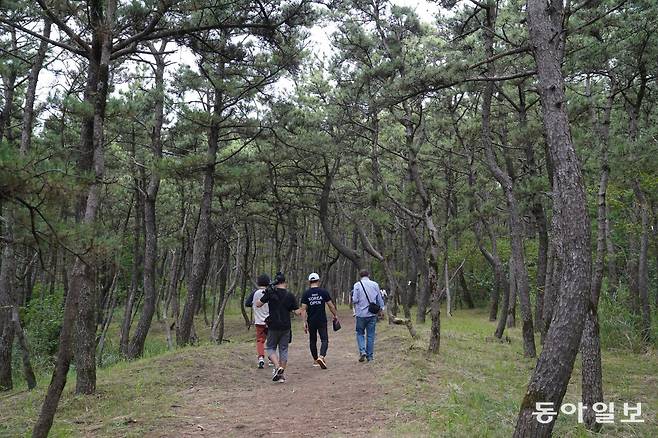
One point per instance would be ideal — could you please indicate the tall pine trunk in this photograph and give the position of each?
(571, 224)
(201, 244)
(136, 347)
(590, 345)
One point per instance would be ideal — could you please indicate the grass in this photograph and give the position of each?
(473, 388)
(148, 386)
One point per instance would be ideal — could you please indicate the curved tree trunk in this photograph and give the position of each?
(517, 260)
(325, 218)
(571, 224)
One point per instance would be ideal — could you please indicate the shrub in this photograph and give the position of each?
(42, 321)
(619, 326)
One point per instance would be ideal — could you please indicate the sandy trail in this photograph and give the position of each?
(237, 399)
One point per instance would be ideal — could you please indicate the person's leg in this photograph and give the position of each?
(324, 339)
(261, 336)
(360, 332)
(370, 328)
(283, 349)
(274, 339)
(313, 340)
(270, 347)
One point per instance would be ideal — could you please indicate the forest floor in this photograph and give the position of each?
(472, 388)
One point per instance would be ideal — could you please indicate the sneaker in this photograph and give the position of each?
(261, 363)
(282, 379)
(316, 364)
(362, 358)
(270, 364)
(322, 363)
(276, 374)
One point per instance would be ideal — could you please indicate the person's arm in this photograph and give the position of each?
(355, 295)
(304, 316)
(332, 309)
(264, 298)
(380, 301)
(293, 305)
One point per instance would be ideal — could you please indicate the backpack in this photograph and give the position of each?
(249, 301)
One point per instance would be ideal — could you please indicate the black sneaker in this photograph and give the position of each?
(362, 358)
(276, 374)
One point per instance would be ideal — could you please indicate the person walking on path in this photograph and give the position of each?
(315, 318)
(281, 303)
(260, 315)
(365, 293)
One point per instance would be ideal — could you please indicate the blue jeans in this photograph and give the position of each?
(366, 325)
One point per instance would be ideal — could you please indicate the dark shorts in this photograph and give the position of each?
(278, 339)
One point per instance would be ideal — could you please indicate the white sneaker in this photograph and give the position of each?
(261, 363)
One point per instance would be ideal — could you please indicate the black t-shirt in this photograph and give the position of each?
(314, 298)
(281, 303)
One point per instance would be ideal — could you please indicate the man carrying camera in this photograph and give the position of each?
(280, 303)
(368, 305)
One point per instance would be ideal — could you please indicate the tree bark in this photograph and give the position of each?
(25, 350)
(434, 243)
(92, 141)
(202, 237)
(466, 293)
(590, 344)
(537, 210)
(515, 227)
(217, 330)
(502, 320)
(136, 261)
(643, 268)
(136, 347)
(9, 83)
(349, 253)
(513, 294)
(30, 91)
(7, 303)
(79, 309)
(613, 275)
(571, 223)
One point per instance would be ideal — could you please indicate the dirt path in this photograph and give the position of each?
(237, 399)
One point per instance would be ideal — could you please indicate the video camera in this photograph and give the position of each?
(278, 279)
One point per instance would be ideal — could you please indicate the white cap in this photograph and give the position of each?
(313, 277)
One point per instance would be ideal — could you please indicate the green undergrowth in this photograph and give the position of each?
(126, 391)
(473, 388)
